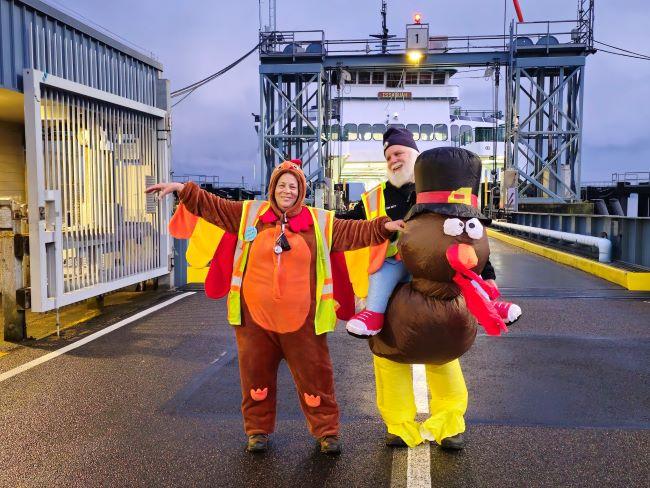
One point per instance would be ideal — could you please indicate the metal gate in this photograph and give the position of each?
(90, 155)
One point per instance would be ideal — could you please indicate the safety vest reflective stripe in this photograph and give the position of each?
(328, 286)
(375, 206)
(251, 212)
(325, 318)
(373, 202)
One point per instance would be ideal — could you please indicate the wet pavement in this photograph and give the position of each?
(562, 400)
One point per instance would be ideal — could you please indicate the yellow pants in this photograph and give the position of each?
(396, 401)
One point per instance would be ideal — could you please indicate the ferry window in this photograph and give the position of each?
(466, 135)
(350, 132)
(411, 78)
(378, 78)
(415, 130)
(425, 77)
(454, 133)
(439, 78)
(334, 132)
(394, 79)
(397, 126)
(365, 132)
(364, 78)
(426, 132)
(501, 133)
(378, 132)
(440, 132)
(484, 134)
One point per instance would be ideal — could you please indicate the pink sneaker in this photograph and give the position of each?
(509, 312)
(366, 323)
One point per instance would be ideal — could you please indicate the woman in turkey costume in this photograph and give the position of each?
(273, 261)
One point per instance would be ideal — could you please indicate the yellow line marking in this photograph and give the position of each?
(3, 353)
(632, 280)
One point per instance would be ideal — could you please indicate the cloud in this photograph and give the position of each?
(213, 131)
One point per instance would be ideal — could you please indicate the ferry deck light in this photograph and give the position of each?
(414, 56)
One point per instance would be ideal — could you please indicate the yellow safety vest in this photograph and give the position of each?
(325, 317)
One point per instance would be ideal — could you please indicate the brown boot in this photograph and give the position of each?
(257, 443)
(330, 445)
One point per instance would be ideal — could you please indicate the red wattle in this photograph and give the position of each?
(479, 307)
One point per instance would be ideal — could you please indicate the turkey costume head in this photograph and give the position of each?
(445, 216)
(432, 319)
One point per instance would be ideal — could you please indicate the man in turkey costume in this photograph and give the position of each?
(393, 372)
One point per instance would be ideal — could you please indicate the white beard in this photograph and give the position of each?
(400, 179)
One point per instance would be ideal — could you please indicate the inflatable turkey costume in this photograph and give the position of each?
(433, 318)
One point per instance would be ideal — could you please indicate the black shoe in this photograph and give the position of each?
(455, 443)
(393, 440)
(330, 445)
(257, 443)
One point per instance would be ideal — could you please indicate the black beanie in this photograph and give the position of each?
(397, 136)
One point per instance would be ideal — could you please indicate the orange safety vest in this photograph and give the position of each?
(366, 261)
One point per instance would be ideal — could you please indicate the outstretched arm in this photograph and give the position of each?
(348, 235)
(221, 212)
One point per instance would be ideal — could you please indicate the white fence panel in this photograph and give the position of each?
(90, 155)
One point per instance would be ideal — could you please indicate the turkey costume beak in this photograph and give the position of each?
(461, 257)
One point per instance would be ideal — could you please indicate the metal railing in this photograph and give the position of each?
(214, 180)
(543, 34)
(629, 235)
(634, 177)
(604, 245)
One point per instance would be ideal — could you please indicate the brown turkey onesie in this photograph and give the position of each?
(280, 296)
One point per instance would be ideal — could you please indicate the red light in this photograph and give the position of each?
(417, 18)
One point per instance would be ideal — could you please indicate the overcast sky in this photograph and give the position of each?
(213, 130)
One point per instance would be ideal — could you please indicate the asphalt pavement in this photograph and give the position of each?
(562, 400)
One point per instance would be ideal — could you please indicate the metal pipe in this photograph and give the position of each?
(604, 245)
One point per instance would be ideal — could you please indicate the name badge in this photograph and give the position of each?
(250, 233)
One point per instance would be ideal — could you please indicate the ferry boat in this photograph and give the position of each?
(424, 102)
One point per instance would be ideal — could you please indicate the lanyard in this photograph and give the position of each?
(282, 243)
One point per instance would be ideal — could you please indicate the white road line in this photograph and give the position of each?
(418, 462)
(420, 388)
(418, 468)
(47, 357)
